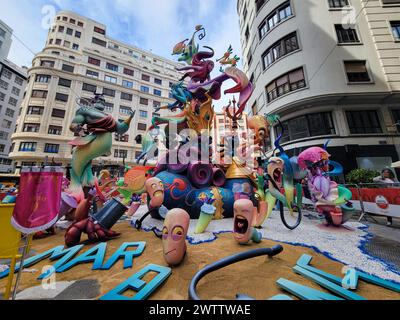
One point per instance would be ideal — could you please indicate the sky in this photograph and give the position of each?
(155, 25)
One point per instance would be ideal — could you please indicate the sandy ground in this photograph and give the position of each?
(255, 277)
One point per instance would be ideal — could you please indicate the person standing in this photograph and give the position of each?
(386, 177)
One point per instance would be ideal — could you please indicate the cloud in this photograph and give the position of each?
(151, 25)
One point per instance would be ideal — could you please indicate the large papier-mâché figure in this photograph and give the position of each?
(97, 142)
(330, 199)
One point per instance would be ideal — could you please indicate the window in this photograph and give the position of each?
(61, 29)
(127, 84)
(156, 104)
(291, 81)
(51, 148)
(6, 124)
(144, 89)
(47, 64)
(259, 4)
(356, 71)
(2, 147)
(363, 122)
(99, 42)
(61, 97)
(2, 33)
(78, 34)
(72, 21)
(31, 127)
(7, 74)
(279, 15)
(2, 96)
(58, 113)
(118, 153)
(68, 68)
(42, 78)
(157, 92)
(39, 94)
(35, 110)
(110, 79)
(158, 81)
(12, 101)
(396, 29)
(9, 112)
(126, 96)
(346, 35)
(27, 146)
(310, 125)
(80, 24)
(125, 110)
(55, 130)
(144, 101)
(70, 31)
(94, 61)
(112, 67)
(338, 3)
(396, 117)
(75, 46)
(19, 80)
(247, 33)
(145, 77)
(122, 137)
(67, 44)
(109, 107)
(143, 114)
(109, 92)
(129, 72)
(15, 91)
(89, 87)
(92, 74)
(3, 85)
(64, 82)
(99, 30)
(142, 126)
(3, 135)
(280, 48)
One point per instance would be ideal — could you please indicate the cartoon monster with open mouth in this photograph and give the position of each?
(243, 218)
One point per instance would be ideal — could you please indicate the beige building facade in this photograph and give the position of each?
(331, 70)
(79, 58)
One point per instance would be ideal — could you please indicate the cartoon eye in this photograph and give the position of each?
(165, 232)
(154, 186)
(161, 185)
(177, 233)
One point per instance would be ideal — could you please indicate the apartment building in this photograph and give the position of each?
(79, 58)
(5, 40)
(223, 127)
(331, 70)
(12, 87)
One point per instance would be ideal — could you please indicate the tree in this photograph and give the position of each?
(361, 176)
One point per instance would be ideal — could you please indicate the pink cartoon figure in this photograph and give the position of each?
(176, 225)
(243, 219)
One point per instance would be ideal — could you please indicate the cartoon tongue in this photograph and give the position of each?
(240, 224)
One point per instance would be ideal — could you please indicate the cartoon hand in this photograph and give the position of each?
(136, 198)
(132, 113)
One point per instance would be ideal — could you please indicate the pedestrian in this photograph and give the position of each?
(386, 177)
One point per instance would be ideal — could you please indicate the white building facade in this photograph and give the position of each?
(331, 70)
(12, 87)
(5, 40)
(78, 60)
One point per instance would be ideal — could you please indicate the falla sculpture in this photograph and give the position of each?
(95, 129)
